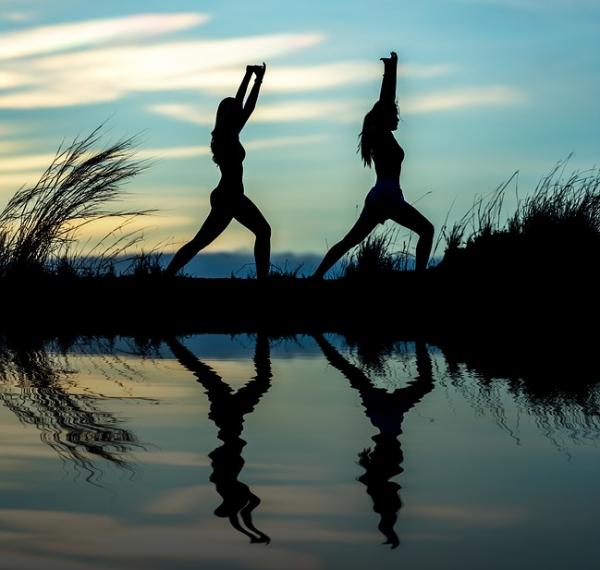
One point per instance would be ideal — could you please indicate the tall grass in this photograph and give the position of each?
(40, 223)
(557, 226)
(377, 255)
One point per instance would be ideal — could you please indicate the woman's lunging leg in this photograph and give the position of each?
(250, 216)
(212, 227)
(359, 231)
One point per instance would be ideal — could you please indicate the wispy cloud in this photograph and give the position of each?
(24, 162)
(497, 95)
(62, 539)
(66, 65)
(19, 169)
(10, 79)
(18, 16)
(179, 152)
(47, 39)
(349, 110)
(107, 74)
(266, 113)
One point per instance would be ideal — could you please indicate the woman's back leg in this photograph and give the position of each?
(359, 231)
(213, 227)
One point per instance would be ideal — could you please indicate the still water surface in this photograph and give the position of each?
(313, 452)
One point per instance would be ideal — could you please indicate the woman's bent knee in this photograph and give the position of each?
(427, 230)
(266, 231)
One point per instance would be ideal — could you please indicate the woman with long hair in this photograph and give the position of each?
(228, 200)
(385, 200)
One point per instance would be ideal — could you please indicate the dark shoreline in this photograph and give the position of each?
(432, 304)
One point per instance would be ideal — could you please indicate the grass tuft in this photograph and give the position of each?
(556, 227)
(376, 256)
(38, 226)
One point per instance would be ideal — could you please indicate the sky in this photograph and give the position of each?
(485, 88)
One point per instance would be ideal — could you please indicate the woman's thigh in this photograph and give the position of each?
(408, 216)
(248, 214)
(216, 222)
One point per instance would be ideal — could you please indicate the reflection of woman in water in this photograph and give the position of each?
(386, 412)
(385, 200)
(228, 200)
(227, 411)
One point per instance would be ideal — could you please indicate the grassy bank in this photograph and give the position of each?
(433, 301)
(532, 268)
(556, 228)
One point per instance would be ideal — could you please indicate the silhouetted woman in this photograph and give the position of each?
(385, 200)
(386, 411)
(228, 200)
(227, 411)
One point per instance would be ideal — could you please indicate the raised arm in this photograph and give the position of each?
(259, 71)
(388, 85)
(241, 92)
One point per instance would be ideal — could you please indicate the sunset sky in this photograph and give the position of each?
(486, 87)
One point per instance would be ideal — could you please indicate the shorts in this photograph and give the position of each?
(226, 199)
(382, 200)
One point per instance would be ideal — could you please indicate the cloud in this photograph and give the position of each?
(19, 169)
(191, 151)
(26, 162)
(496, 95)
(87, 541)
(46, 39)
(67, 65)
(300, 110)
(349, 110)
(18, 16)
(11, 79)
(107, 74)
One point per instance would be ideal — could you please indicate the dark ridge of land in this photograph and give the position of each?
(435, 303)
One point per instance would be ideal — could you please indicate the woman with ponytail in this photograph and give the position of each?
(228, 200)
(385, 200)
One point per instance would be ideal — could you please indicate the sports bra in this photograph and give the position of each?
(388, 156)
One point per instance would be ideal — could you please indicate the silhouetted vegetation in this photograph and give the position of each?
(39, 225)
(555, 228)
(376, 256)
(516, 266)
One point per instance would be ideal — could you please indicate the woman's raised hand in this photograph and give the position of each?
(392, 60)
(259, 70)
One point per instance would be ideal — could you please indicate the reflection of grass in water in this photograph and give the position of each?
(566, 404)
(390, 364)
(73, 425)
(559, 387)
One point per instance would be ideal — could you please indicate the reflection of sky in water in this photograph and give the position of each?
(489, 475)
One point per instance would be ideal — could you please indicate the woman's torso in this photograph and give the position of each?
(388, 156)
(229, 156)
(386, 195)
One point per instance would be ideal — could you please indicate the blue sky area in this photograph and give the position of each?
(486, 87)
